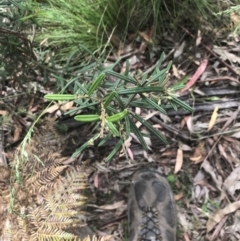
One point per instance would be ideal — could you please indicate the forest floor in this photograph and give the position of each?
(201, 161)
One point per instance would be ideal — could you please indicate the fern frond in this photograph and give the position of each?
(7, 231)
(45, 177)
(22, 222)
(52, 235)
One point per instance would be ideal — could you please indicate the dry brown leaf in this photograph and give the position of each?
(115, 41)
(196, 159)
(147, 117)
(232, 182)
(235, 228)
(67, 106)
(183, 123)
(231, 119)
(179, 50)
(184, 147)
(17, 132)
(146, 37)
(52, 108)
(200, 70)
(186, 237)
(218, 228)
(225, 55)
(3, 112)
(199, 153)
(190, 123)
(210, 170)
(179, 161)
(219, 215)
(96, 180)
(112, 206)
(199, 37)
(130, 153)
(179, 196)
(169, 153)
(222, 151)
(235, 17)
(175, 71)
(185, 223)
(213, 118)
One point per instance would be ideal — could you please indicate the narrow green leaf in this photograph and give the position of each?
(159, 63)
(110, 110)
(81, 87)
(126, 73)
(181, 82)
(96, 83)
(85, 104)
(113, 65)
(117, 116)
(144, 79)
(116, 84)
(87, 118)
(72, 81)
(123, 77)
(85, 145)
(114, 151)
(157, 76)
(109, 98)
(121, 103)
(139, 90)
(59, 97)
(85, 69)
(105, 139)
(154, 105)
(149, 127)
(140, 104)
(173, 105)
(163, 78)
(135, 130)
(181, 103)
(112, 128)
(127, 127)
(175, 88)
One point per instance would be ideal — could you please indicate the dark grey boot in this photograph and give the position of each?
(152, 212)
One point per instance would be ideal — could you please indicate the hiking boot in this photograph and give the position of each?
(152, 212)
